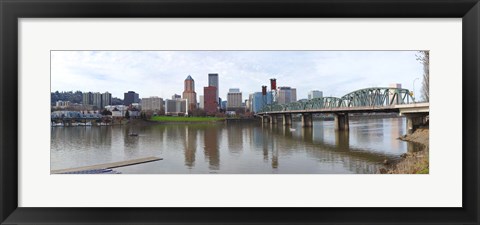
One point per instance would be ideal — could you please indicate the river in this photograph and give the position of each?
(234, 147)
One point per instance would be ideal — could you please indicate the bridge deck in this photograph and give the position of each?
(424, 107)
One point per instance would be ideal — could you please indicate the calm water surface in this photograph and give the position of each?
(246, 148)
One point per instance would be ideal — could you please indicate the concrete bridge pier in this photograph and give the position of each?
(273, 119)
(307, 120)
(287, 119)
(414, 121)
(341, 121)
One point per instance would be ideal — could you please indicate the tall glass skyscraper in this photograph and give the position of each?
(130, 97)
(213, 82)
(259, 101)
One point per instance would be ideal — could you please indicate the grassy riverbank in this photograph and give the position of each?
(185, 119)
(413, 162)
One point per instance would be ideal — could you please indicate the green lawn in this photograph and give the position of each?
(185, 119)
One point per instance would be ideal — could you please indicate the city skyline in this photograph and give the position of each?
(162, 73)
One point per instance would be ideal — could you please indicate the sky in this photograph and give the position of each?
(162, 73)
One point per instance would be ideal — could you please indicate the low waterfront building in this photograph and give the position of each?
(176, 107)
(62, 104)
(153, 103)
(75, 114)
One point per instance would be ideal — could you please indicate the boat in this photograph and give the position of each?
(133, 134)
(292, 129)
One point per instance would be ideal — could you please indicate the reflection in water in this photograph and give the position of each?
(130, 143)
(342, 139)
(235, 147)
(317, 132)
(80, 144)
(190, 146)
(211, 139)
(235, 138)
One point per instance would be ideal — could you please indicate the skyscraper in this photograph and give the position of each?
(97, 100)
(259, 101)
(202, 102)
(87, 98)
(130, 97)
(189, 93)
(234, 99)
(315, 94)
(210, 102)
(286, 95)
(213, 82)
(176, 97)
(106, 99)
(293, 95)
(393, 94)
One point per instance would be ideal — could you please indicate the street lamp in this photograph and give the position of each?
(414, 86)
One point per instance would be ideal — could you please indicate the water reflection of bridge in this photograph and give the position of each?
(313, 142)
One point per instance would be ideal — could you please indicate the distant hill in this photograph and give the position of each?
(75, 97)
(117, 101)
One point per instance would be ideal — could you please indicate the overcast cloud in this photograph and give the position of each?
(162, 73)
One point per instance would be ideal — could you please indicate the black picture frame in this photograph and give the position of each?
(12, 10)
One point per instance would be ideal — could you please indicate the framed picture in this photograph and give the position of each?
(239, 112)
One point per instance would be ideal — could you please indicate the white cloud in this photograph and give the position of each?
(161, 73)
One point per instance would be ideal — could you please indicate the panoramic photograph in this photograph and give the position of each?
(239, 112)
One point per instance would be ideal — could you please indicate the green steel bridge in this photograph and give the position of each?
(368, 100)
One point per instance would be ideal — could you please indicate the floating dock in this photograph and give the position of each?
(107, 165)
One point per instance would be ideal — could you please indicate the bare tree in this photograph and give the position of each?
(424, 58)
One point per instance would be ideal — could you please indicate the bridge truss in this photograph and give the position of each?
(368, 97)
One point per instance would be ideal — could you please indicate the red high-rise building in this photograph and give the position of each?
(210, 101)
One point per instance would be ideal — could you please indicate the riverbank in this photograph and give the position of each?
(412, 162)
